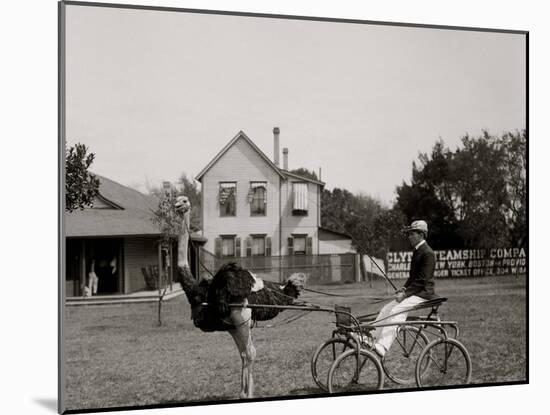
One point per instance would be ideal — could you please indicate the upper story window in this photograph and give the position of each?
(257, 197)
(299, 198)
(228, 199)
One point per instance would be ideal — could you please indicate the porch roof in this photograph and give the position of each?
(128, 213)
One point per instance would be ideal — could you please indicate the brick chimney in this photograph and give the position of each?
(285, 158)
(276, 145)
(167, 188)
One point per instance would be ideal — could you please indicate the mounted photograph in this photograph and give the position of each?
(265, 207)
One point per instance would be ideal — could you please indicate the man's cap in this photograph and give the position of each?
(418, 226)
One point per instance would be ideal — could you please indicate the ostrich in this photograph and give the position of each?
(232, 285)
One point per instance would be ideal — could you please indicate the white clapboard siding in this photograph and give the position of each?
(301, 224)
(242, 164)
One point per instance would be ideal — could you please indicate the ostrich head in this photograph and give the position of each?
(182, 204)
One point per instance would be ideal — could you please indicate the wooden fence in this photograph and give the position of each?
(320, 269)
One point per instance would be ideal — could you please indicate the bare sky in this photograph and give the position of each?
(155, 94)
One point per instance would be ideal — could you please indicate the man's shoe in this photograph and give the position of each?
(366, 341)
(357, 337)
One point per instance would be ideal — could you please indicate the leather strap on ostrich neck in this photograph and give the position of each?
(183, 242)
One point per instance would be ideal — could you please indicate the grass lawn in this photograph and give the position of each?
(119, 356)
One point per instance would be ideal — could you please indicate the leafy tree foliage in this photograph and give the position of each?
(166, 214)
(352, 214)
(81, 187)
(474, 197)
(310, 174)
(168, 221)
(516, 182)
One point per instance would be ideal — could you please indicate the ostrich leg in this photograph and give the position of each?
(240, 317)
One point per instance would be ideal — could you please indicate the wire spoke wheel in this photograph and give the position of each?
(324, 357)
(400, 360)
(353, 372)
(444, 362)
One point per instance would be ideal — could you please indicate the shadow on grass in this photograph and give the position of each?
(48, 403)
(204, 399)
(310, 391)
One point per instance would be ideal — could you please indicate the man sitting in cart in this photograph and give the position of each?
(418, 288)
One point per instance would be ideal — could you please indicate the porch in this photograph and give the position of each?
(145, 296)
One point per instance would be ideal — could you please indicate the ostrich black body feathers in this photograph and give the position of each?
(233, 285)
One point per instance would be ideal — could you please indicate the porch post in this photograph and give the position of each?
(82, 265)
(170, 263)
(161, 270)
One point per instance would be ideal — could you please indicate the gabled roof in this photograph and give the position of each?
(302, 178)
(327, 232)
(130, 214)
(239, 135)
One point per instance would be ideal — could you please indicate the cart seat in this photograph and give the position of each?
(434, 304)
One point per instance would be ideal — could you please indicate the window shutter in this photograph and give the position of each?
(290, 245)
(268, 246)
(238, 247)
(309, 246)
(249, 246)
(218, 247)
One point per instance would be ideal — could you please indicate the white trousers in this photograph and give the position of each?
(386, 335)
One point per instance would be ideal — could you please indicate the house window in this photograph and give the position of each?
(257, 197)
(228, 198)
(299, 198)
(228, 246)
(299, 244)
(258, 245)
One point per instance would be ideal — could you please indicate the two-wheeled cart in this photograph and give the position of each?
(426, 352)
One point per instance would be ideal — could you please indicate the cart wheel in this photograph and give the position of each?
(399, 362)
(353, 372)
(324, 357)
(443, 362)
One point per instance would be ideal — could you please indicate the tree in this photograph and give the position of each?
(81, 187)
(188, 187)
(431, 196)
(169, 223)
(474, 197)
(482, 196)
(310, 174)
(352, 214)
(516, 182)
(387, 234)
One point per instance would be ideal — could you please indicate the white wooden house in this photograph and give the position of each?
(253, 207)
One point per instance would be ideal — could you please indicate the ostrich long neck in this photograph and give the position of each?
(183, 242)
(186, 278)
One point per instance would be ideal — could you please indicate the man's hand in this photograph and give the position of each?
(399, 296)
